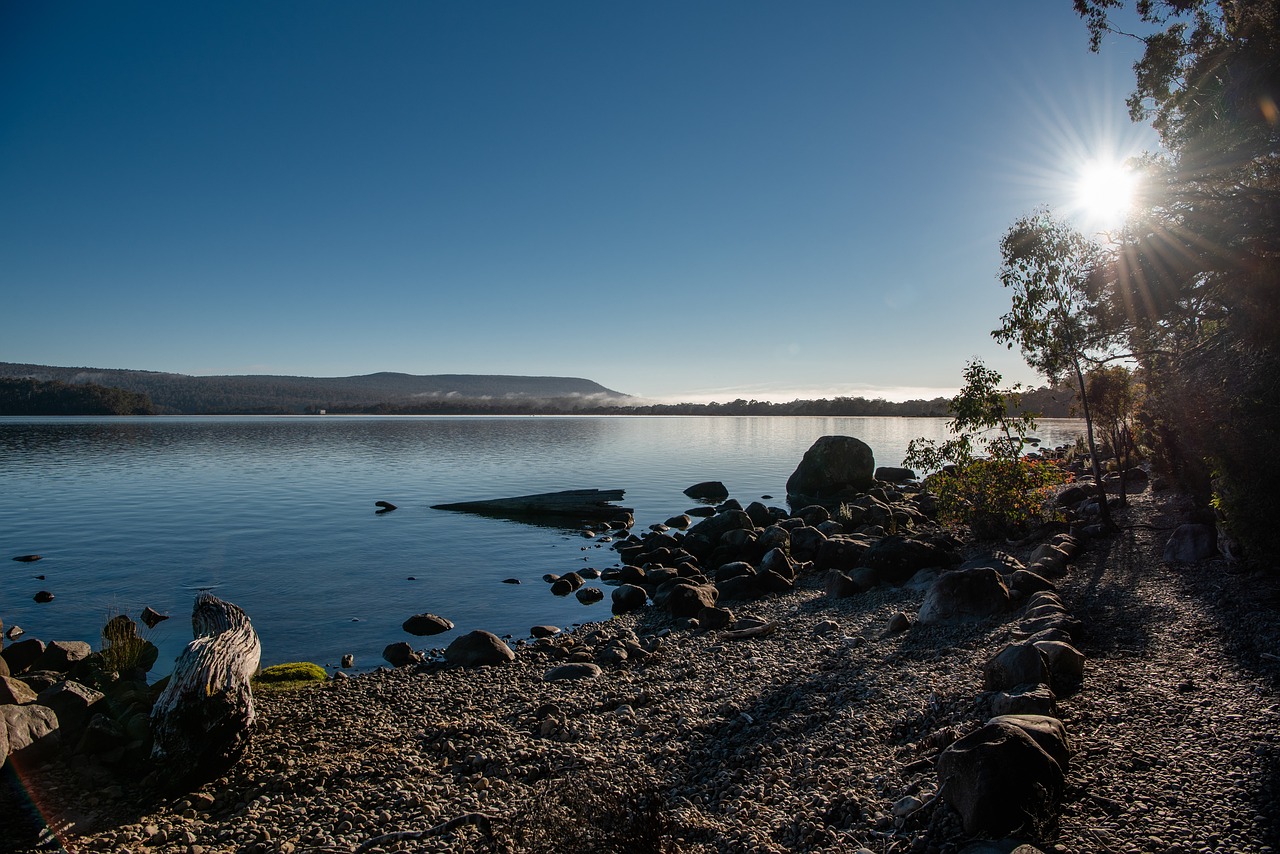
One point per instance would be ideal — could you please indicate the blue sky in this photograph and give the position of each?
(680, 200)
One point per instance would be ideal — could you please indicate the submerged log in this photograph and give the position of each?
(202, 722)
(575, 503)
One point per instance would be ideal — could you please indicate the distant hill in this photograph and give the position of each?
(250, 394)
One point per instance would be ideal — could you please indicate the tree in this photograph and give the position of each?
(1054, 318)
(1194, 277)
(1114, 395)
(996, 494)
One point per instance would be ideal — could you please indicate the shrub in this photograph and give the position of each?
(997, 497)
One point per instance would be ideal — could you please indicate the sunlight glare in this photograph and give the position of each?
(1104, 192)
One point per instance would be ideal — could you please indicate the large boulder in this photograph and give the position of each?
(60, 655)
(478, 649)
(1048, 732)
(1001, 781)
(21, 655)
(894, 474)
(73, 703)
(964, 594)
(15, 692)
(628, 597)
(832, 465)
(1015, 664)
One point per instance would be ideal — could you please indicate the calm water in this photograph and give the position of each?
(277, 515)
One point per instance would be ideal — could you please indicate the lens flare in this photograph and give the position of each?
(1104, 192)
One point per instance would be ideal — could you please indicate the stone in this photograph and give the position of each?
(894, 474)
(628, 597)
(1190, 543)
(1048, 732)
(712, 619)
(806, 542)
(73, 703)
(896, 558)
(708, 490)
(31, 731)
(687, 600)
(423, 625)
(478, 649)
(1026, 581)
(544, 631)
(1000, 781)
(832, 465)
(826, 627)
(566, 584)
(896, 624)
(1066, 664)
(401, 654)
(776, 561)
(682, 521)
(713, 528)
(839, 585)
(42, 597)
(814, 515)
(1023, 700)
(152, 617)
(740, 588)
(576, 670)
(963, 594)
(1015, 664)
(15, 692)
(589, 595)
(348, 660)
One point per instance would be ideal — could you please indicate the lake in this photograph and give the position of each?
(276, 514)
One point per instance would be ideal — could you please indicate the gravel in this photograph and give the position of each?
(818, 737)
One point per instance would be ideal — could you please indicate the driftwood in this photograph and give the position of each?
(201, 723)
(754, 632)
(575, 503)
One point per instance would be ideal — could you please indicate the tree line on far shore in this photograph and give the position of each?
(33, 397)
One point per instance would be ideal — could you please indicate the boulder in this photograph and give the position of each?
(566, 584)
(21, 655)
(1000, 781)
(422, 625)
(806, 541)
(401, 654)
(478, 649)
(628, 597)
(572, 671)
(894, 474)
(686, 600)
(1027, 582)
(777, 562)
(832, 465)
(713, 528)
(740, 588)
(1190, 543)
(715, 618)
(1048, 732)
(682, 521)
(73, 703)
(544, 631)
(964, 594)
(589, 595)
(840, 586)
(15, 692)
(1015, 664)
(708, 490)
(1023, 700)
(152, 617)
(841, 553)
(31, 731)
(899, 558)
(59, 656)
(1066, 664)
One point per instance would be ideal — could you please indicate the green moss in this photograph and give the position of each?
(289, 676)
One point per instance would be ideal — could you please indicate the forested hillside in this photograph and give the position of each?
(33, 397)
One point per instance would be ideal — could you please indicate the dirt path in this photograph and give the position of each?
(1177, 729)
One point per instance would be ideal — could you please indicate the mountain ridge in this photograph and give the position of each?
(175, 393)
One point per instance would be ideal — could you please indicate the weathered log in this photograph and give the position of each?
(754, 632)
(202, 722)
(575, 503)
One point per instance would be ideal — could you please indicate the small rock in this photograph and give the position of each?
(577, 670)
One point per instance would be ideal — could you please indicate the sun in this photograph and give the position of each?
(1105, 191)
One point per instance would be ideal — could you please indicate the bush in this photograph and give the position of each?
(997, 497)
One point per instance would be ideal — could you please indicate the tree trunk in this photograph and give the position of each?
(201, 723)
(1107, 524)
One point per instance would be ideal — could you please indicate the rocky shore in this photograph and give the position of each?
(815, 726)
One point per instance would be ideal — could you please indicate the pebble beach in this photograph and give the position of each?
(819, 735)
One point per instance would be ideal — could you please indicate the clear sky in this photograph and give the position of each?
(688, 199)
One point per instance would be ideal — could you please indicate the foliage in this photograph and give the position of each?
(998, 494)
(1116, 398)
(997, 497)
(289, 676)
(33, 397)
(123, 649)
(1193, 278)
